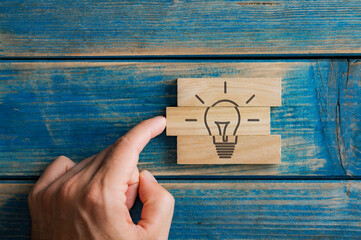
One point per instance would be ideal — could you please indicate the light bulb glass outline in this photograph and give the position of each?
(214, 104)
(224, 148)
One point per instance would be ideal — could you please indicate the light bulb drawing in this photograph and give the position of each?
(223, 126)
(225, 139)
(225, 120)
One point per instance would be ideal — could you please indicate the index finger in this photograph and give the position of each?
(122, 159)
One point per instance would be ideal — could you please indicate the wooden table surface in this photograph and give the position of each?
(76, 75)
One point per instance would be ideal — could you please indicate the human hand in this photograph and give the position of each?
(91, 199)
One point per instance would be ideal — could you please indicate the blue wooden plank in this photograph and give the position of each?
(234, 210)
(122, 28)
(349, 119)
(77, 108)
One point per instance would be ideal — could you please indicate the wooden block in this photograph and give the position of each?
(234, 120)
(242, 91)
(245, 150)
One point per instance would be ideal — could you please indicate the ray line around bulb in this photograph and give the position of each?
(200, 99)
(225, 87)
(250, 99)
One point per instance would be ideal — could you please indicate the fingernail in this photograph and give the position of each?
(149, 176)
(159, 117)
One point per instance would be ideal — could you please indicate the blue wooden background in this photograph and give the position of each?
(74, 76)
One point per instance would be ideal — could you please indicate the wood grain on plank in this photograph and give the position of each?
(233, 209)
(122, 28)
(348, 118)
(77, 108)
(241, 91)
(236, 150)
(242, 120)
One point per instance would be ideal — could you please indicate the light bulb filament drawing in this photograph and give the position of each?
(222, 129)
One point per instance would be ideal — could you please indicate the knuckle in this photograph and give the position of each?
(44, 197)
(168, 198)
(38, 197)
(124, 140)
(127, 142)
(61, 157)
(93, 196)
(31, 196)
(66, 190)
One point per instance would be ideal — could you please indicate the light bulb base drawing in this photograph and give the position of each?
(225, 148)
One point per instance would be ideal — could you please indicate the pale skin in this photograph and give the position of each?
(91, 199)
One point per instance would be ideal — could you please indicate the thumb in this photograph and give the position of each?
(158, 206)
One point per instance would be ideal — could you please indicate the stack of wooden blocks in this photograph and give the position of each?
(225, 121)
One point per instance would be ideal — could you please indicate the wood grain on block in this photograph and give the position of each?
(218, 121)
(236, 149)
(242, 91)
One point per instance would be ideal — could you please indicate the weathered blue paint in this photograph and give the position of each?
(122, 28)
(78, 108)
(349, 117)
(234, 210)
